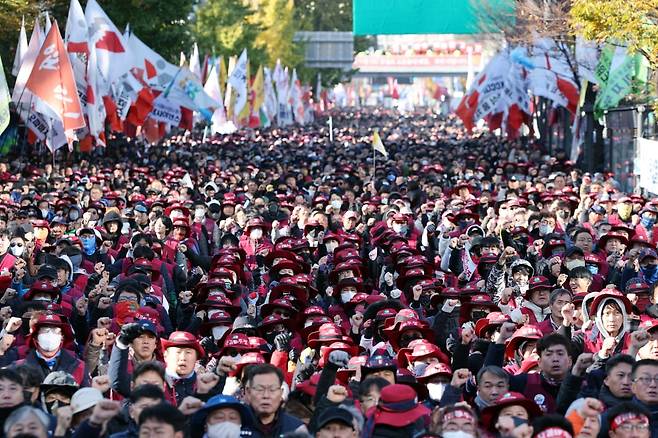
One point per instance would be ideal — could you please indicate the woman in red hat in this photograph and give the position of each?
(510, 404)
(610, 310)
(398, 414)
(254, 240)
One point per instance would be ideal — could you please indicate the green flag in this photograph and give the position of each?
(5, 98)
(603, 67)
(619, 81)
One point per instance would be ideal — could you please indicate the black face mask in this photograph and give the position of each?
(479, 314)
(53, 405)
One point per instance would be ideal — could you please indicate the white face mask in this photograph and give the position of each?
(436, 390)
(457, 434)
(49, 341)
(218, 332)
(347, 296)
(336, 204)
(574, 264)
(199, 213)
(331, 246)
(225, 429)
(398, 228)
(16, 250)
(256, 234)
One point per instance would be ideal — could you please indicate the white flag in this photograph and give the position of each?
(28, 62)
(48, 23)
(587, 57)
(158, 73)
(270, 105)
(113, 55)
(95, 107)
(76, 35)
(282, 83)
(21, 50)
(377, 144)
(195, 65)
(212, 88)
(238, 81)
(296, 98)
(552, 76)
(4, 100)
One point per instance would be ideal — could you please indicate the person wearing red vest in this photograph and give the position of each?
(47, 339)
(554, 363)
(137, 342)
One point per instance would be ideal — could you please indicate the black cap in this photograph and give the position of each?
(47, 271)
(334, 414)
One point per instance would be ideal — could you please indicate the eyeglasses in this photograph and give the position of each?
(640, 427)
(646, 380)
(261, 390)
(20, 245)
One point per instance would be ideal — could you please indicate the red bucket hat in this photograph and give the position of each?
(411, 324)
(525, 333)
(420, 349)
(183, 340)
(237, 341)
(490, 413)
(51, 320)
(398, 406)
(494, 319)
(327, 334)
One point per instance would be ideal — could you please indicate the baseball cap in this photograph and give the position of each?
(85, 398)
(335, 414)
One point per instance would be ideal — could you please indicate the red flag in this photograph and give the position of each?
(569, 91)
(112, 117)
(142, 107)
(53, 85)
(186, 119)
(466, 109)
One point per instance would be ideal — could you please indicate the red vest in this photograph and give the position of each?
(534, 390)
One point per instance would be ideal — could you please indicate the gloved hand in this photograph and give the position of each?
(293, 356)
(368, 329)
(339, 358)
(282, 341)
(129, 333)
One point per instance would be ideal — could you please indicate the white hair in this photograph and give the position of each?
(24, 412)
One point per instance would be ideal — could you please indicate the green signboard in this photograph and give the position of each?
(393, 17)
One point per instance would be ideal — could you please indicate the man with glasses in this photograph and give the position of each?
(628, 420)
(264, 394)
(639, 417)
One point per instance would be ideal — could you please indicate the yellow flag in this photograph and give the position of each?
(228, 97)
(377, 143)
(223, 75)
(258, 89)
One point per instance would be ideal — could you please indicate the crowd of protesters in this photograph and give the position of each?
(279, 283)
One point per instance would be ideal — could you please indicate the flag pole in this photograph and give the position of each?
(374, 162)
(331, 129)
